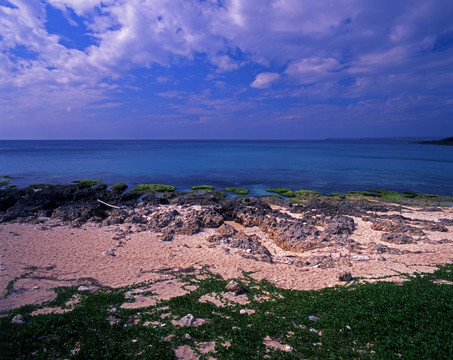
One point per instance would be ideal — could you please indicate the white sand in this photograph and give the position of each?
(65, 256)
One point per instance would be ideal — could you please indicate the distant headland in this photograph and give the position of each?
(446, 141)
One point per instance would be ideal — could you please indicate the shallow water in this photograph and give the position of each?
(325, 166)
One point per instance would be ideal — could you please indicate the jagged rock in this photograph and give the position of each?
(241, 240)
(397, 238)
(234, 287)
(395, 227)
(226, 230)
(18, 320)
(207, 218)
(340, 225)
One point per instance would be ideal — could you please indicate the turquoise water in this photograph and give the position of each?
(325, 166)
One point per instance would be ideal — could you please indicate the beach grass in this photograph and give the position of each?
(379, 320)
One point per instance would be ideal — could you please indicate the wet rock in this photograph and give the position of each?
(234, 287)
(18, 320)
(397, 238)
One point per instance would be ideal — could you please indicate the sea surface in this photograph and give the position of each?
(325, 166)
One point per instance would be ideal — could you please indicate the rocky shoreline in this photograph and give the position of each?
(320, 222)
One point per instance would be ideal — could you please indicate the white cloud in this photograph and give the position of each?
(310, 70)
(264, 80)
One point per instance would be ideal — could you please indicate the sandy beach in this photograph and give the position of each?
(46, 254)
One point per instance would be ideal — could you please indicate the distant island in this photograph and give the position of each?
(446, 141)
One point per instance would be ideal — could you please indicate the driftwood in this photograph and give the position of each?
(104, 203)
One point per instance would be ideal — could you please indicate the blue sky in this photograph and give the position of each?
(225, 69)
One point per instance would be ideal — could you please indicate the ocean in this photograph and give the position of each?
(325, 166)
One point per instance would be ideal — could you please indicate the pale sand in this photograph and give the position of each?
(65, 256)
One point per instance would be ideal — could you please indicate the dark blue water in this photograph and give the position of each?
(325, 166)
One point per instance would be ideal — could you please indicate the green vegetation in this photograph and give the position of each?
(240, 191)
(4, 183)
(203, 187)
(379, 320)
(289, 193)
(86, 183)
(279, 190)
(159, 188)
(119, 187)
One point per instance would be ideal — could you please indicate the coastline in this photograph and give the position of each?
(303, 246)
(87, 271)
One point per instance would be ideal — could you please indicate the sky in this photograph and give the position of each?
(225, 69)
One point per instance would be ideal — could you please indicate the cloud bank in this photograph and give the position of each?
(361, 58)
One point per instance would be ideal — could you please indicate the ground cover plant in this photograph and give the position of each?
(380, 320)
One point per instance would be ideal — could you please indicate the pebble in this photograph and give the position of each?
(109, 252)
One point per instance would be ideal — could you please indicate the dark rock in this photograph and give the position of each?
(347, 276)
(435, 227)
(226, 230)
(341, 224)
(397, 238)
